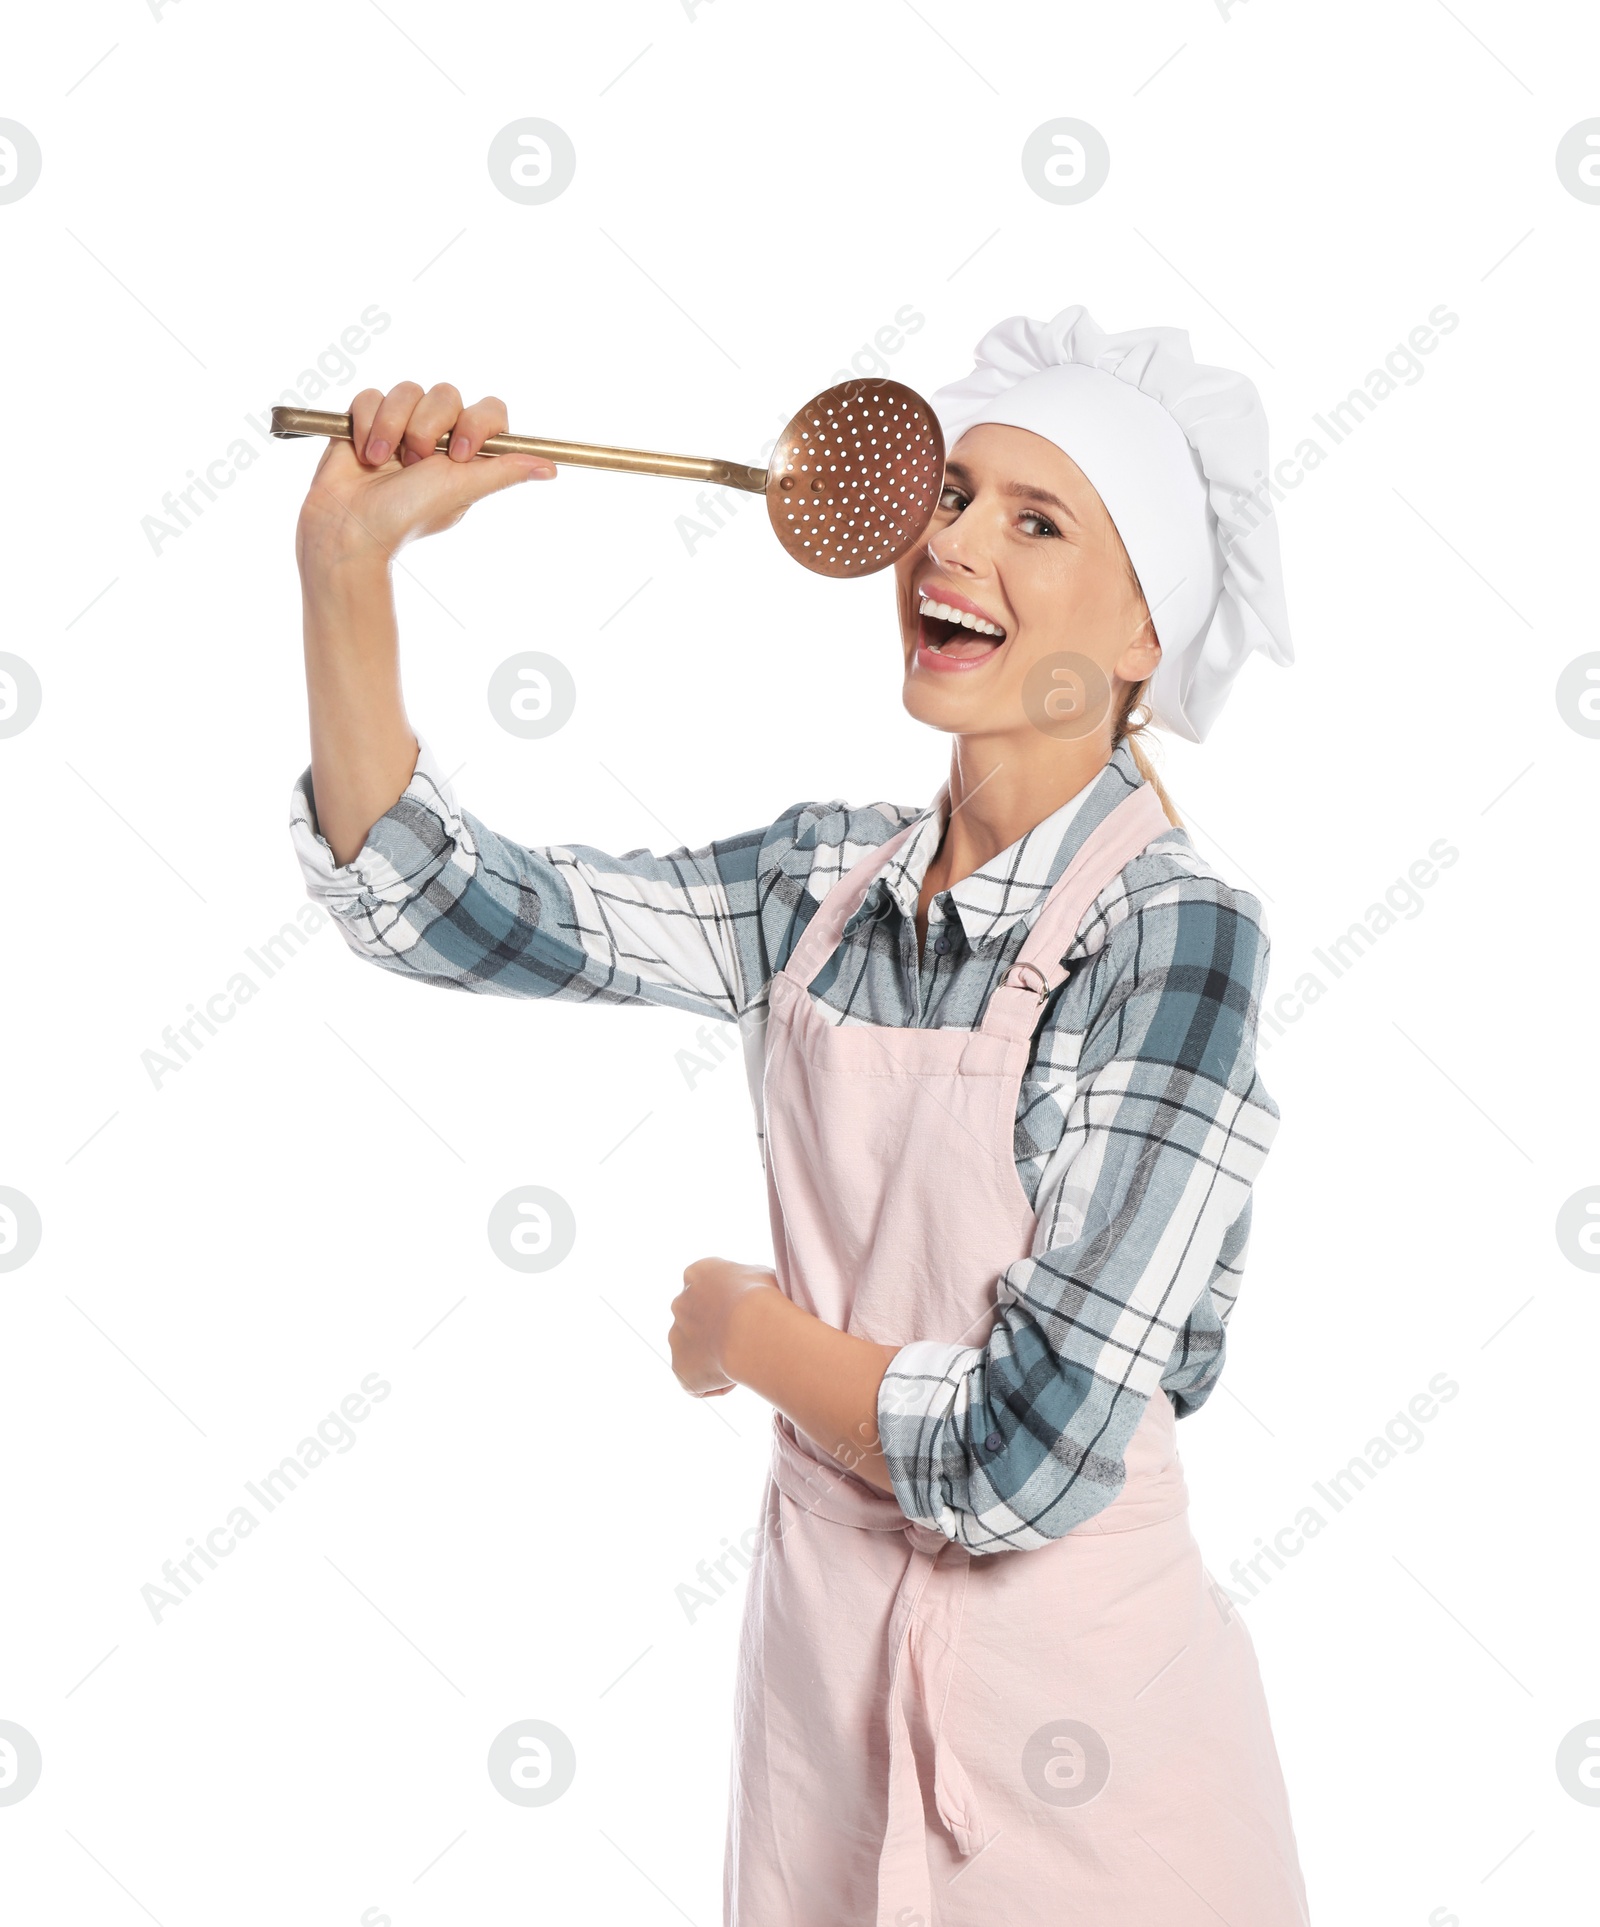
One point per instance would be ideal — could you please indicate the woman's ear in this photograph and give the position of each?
(1141, 654)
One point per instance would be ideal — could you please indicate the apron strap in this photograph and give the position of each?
(820, 938)
(1015, 1003)
(923, 1636)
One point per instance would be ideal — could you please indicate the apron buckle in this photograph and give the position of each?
(1017, 980)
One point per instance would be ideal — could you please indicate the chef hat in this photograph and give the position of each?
(1177, 452)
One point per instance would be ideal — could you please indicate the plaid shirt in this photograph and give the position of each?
(1141, 1122)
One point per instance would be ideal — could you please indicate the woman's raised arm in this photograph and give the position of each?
(425, 889)
(368, 498)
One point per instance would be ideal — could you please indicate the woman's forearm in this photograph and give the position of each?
(385, 486)
(363, 749)
(824, 1381)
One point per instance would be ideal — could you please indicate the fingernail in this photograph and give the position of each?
(458, 448)
(377, 452)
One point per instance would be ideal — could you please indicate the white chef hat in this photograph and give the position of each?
(1177, 452)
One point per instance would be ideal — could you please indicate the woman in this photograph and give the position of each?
(1012, 1119)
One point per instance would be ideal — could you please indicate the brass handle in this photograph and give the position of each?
(287, 423)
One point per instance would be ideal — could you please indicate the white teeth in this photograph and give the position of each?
(944, 612)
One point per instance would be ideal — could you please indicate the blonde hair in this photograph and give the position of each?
(1132, 733)
(1126, 730)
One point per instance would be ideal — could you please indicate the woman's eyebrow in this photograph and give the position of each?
(960, 472)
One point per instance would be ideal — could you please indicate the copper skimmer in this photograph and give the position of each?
(852, 484)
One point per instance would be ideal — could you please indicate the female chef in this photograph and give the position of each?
(1011, 1119)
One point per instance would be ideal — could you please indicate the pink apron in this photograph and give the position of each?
(926, 1737)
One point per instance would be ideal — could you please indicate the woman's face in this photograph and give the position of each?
(1021, 539)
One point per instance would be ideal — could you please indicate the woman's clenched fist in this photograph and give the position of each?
(388, 484)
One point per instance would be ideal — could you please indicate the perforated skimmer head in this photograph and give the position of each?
(855, 477)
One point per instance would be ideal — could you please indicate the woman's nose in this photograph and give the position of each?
(952, 552)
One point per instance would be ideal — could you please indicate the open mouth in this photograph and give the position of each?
(956, 635)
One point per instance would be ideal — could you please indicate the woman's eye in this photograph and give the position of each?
(945, 494)
(1049, 528)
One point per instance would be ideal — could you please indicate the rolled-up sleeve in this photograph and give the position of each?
(1143, 1216)
(436, 895)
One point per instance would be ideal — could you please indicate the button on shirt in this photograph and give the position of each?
(1141, 1121)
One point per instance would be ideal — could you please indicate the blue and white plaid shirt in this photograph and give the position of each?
(1141, 1123)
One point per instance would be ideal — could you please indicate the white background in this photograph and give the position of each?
(225, 1257)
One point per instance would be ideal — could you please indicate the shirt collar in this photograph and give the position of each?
(1012, 885)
